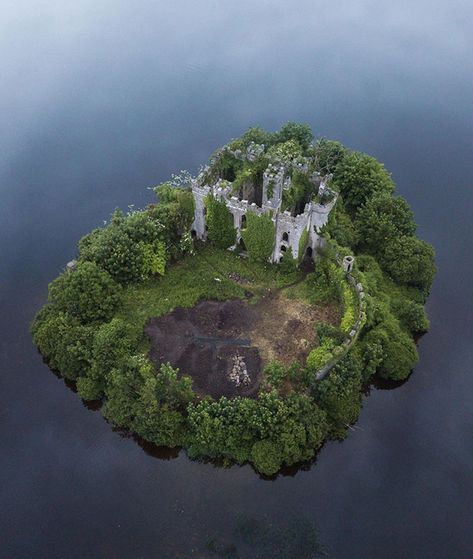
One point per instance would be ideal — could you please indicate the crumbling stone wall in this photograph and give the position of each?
(288, 229)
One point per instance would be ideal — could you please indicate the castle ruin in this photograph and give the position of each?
(289, 228)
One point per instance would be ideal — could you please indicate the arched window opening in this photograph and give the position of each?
(283, 248)
(285, 237)
(243, 222)
(194, 234)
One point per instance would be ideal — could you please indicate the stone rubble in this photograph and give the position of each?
(239, 373)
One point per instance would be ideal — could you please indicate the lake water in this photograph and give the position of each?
(99, 100)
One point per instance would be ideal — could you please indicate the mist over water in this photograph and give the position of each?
(99, 101)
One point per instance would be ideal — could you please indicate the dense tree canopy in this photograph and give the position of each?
(359, 177)
(88, 293)
(410, 261)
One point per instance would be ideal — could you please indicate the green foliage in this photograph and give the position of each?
(340, 226)
(251, 173)
(303, 242)
(221, 231)
(298, 194)
(112, 345)
(339, 395)
(256, 135)
(275, 373)
(88, 293)
(321, 355)
(326, 330)
(300, 133)
(259, 236)
(154, 258)
(326, 281)
(266, 457)
(224, 165)
(91, 330)
(328, 154)
(411, 315)
(63, 341)
(285, 151)
(382, 219)
(410, 261)
(292, 429)
(359, 177)
(349, 307)
(288, 264)
(129, 249)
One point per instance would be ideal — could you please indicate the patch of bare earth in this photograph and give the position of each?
(223, 346)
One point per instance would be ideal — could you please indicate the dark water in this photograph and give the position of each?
(99, 100)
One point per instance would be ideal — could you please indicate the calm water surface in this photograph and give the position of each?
(99, 100)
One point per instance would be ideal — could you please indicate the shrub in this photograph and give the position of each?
(266, 457)
(321, 355)
(63, 341)
(259, 236)
(88, 293)
(275, 373)
(221, 231)
(359, 177)
(328, 154)
(382, 219)
(349, 306)
(411, 315)
(339, 395)
(300, 133)
(410, 261)
(326, 330)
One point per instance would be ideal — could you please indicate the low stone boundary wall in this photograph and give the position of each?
(341, 350)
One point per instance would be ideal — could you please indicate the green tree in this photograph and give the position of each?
(359, 177)
(301, 133)
(339, 395)
(328, 154)
(382, 219)
(410, 261)
(63, 341)
(266, 457)
(88, 293)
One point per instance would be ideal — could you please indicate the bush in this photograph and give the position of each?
(300, 133)
(349, 308)
(259, 236)
(266, 457)
(339, 395)
(326, 330)
(410, 261)
(221, 231)
(63, 341)
(321, 355)
(411, 315)
(88, 293)
(382, 219)
(328, 155)
(275, 374)
(359, 177)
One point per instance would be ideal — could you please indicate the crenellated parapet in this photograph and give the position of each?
(294, 233)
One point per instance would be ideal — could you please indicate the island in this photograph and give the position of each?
(242, 314)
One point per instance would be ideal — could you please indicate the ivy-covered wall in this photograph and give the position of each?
(220, 223)
(259, 236)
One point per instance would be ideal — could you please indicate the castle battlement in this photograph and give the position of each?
(292, 232)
